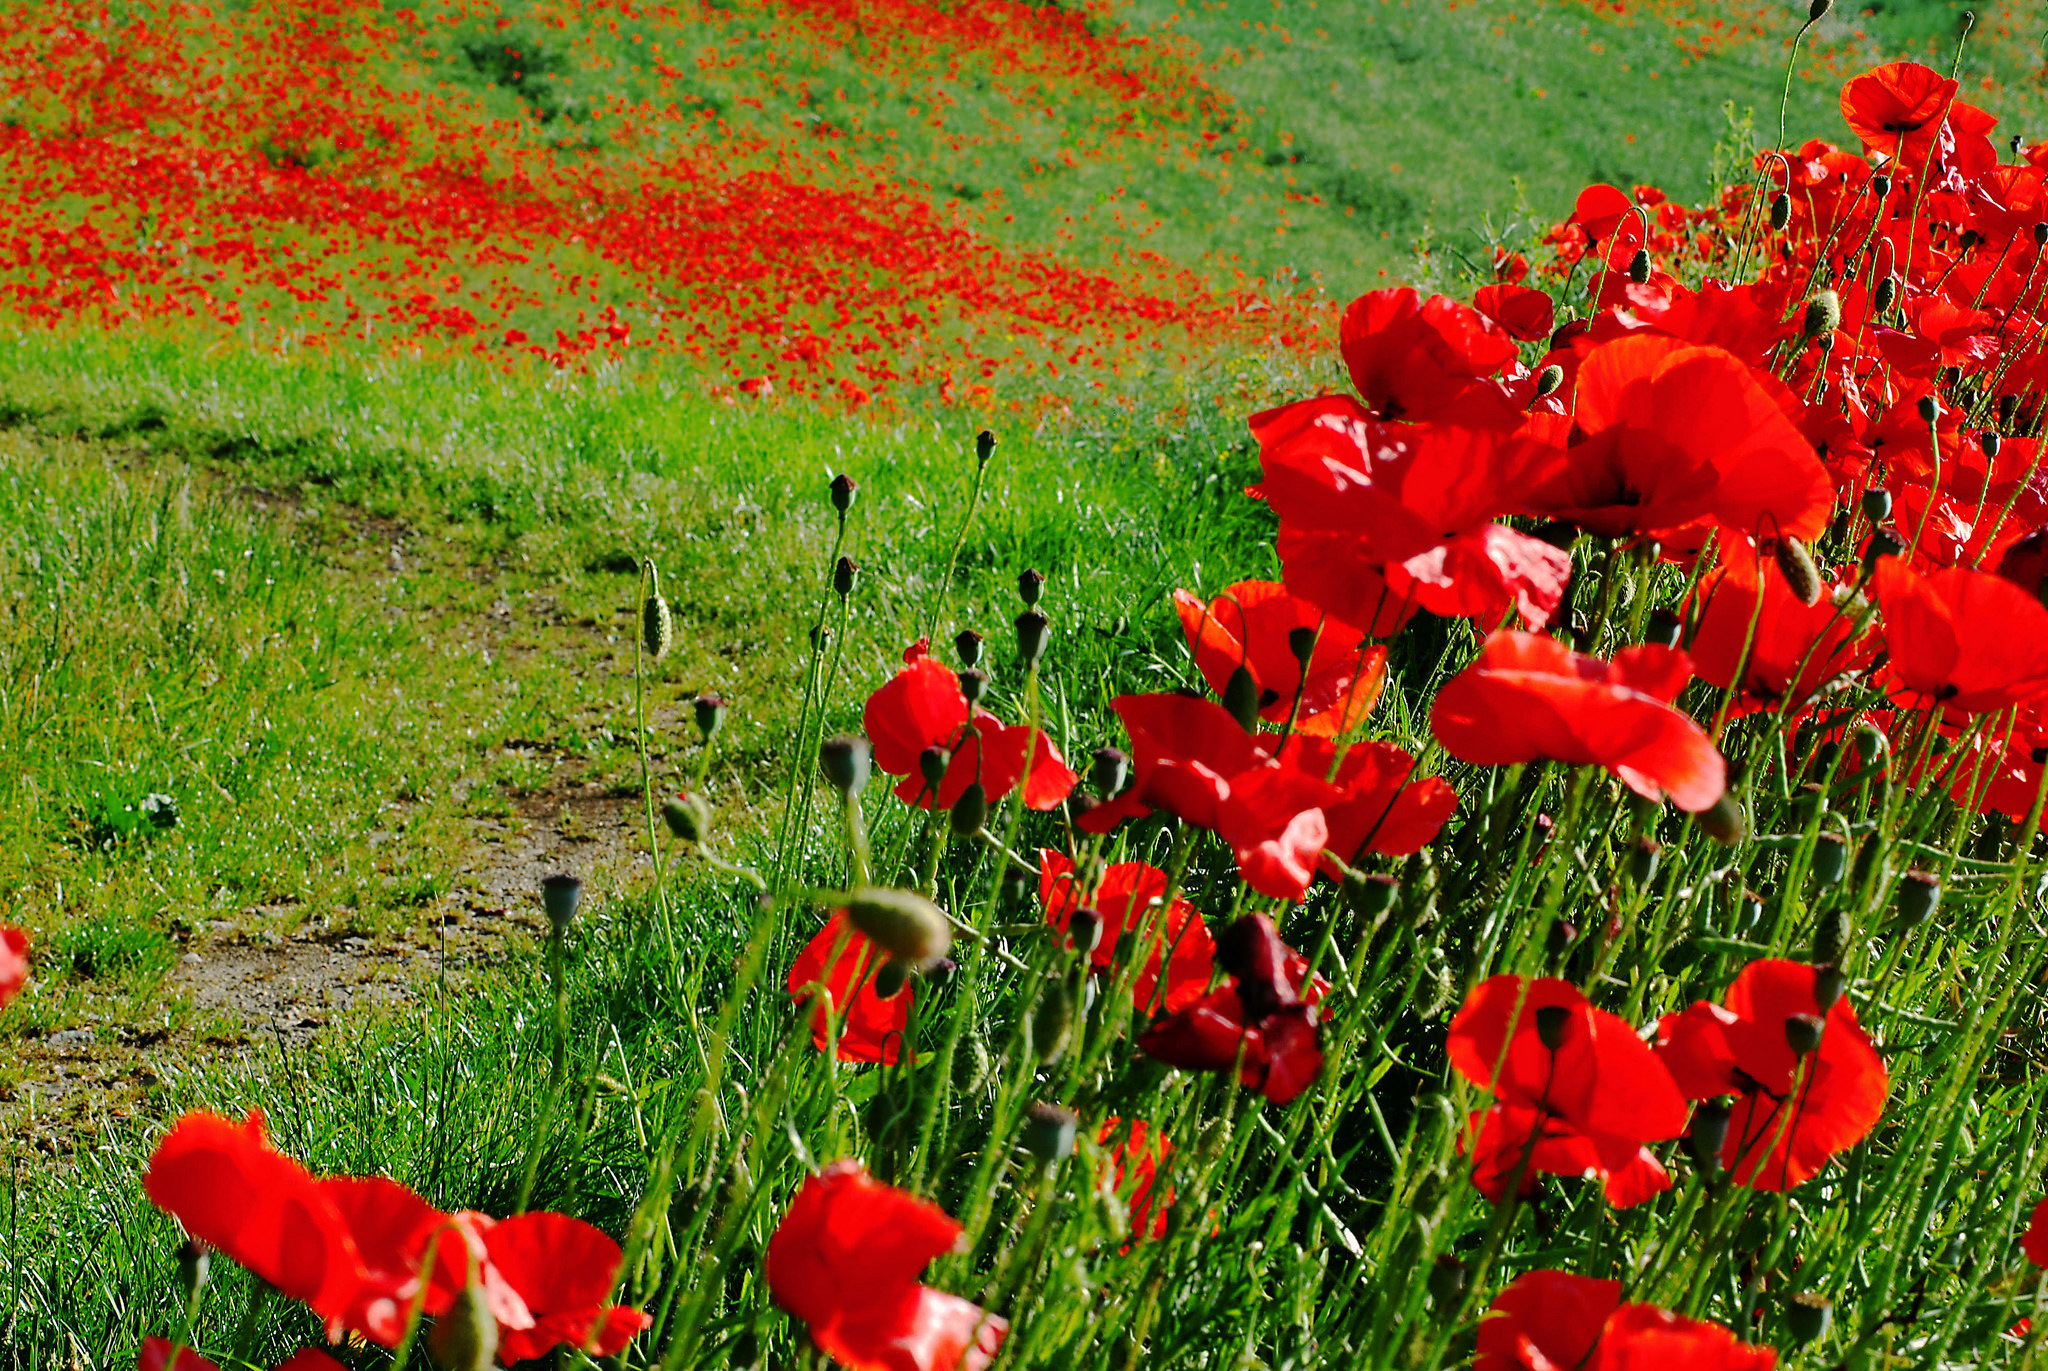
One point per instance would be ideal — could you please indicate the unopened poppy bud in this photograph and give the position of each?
(465, 1337)
(1241, 699)
(1664, 628)
(1802, 1033)
(1553, 1021)
(1808, 1316)
(1371, 894)
(1781, 210)
(902, 923)
(1448, 1277)
(1708, 1133)
(1818, 10)
(1877, 504)
(1802, 577)
(1051, 1020)
(1886, 295)
(1048, 1131)
(1108, 770)
(820, 635)
(843, 489)
(984, 447)
(1823, 314)
(1882, 544)
(1084, 930)
(710, 711)
(2040, 233)
(970, 811)
(1549, 379)
(195, 1261)
(1880, 186)
(1723, 821)
(657, 626)
(1563, 933)
(1918, 897)
(560, 894)
(1034, 631)
(1870, 742)
(2008, 405)
(688, 817)
(1642, 861)
(1829, 981)
(1990, 440)
(1302, 643)
(1639, 266)
(1869, 858)
(1831, 936)
(968, 644)
(1030, 585)
(1018, 887)
(973, 683)
(889, 979)
(1928, 408)
(845, 761)
(844, 573)
(1830, 859)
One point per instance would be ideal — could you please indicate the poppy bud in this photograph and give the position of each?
(1886, 295)
(1823, 314)
(973, 684)
(559, 896)
(1831, 937)
(657, 626)
(1563, 933)
(1919, 895)
(1664, 628)
(688, 817)
(1882, 544)
(1034, 630)
(1829, 981)
(1749, 910)
(1877, 504)
(1708, 1132)
(1018, 888)
(1802, 577)
(1781, 210)
(984, 447)
(843, 488)
(1030, 585)
(844, 573)
(1084, 930)
(1553, 1021)
(889, 979)
(1808, 1316)
(1548, 380)
(1817, 11)
(1723, 821)
(1639, 266)
(1880, 185)
(932, 763)
(1830, 859)
(1642, 861)
(1869, 858)
(465, 1338)
(1871, 744)
(1990, 441)
(1302, 643)
(1241, 698)
(2008, 405)
(194, 1262)
(710, 711)
(1051, 1019)
(902, 923)
(1802, 1033)
(1048, 1131)
(1447, 1280)
(1108, 770)
(845, 760)
(1928, 408)
(820, 635)
(1371, 895)
(970, 811)
(2041, 233)
(968, 644)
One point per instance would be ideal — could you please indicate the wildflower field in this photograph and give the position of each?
(1140, 683)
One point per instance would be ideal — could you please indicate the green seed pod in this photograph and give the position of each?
(1709, 1132)
(1803, 1033)
(710, 711)
(1241, 698)
(1108, 770)
(843, 488)
(559, 896)
(1808, 1315)
(1371, 895)
(1829, 981)
(1990, 441)
(968, 644)
(1302, 643)
(1831, 937)
(687, 816)
(1034, 631)
(1048, 1132)
(1723, 821)
(1549, 379)
(465, 1338)
(973, 683)
(1886, 295)
(1919, 895)
(1030, 586)
(657, 626)
(1052, 1018)
(902, 923)
(984, 447)
(1830, 860)
(1802, 577)
(1880, 186)
(1639, 266)
(1781, 210)
(1877, 504)
(1872, 746)
(845, 760)
(1928, 408)
(845, 572)
(970, 811)
(1823, 314)
(932, 763)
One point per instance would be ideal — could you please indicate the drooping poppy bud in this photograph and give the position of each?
(465, 1338)
(1830, 859)
(1048, 1131)
(932, 763)
(1781, 210)
(1084, 930)
(968, 644)
(1639, 266)
(1034, 631)
(984, 447)
(657, 626)
(687, 816)
(1883, 543)
(970, 811)
(1241, 698)
(1030, 585)
(1886, 295)
(1109, 770)
(903, 923)
(845, 760)
(843, 489)
(1302, 643)
(1808, 1314)
(1549, 379)
(1918, 896)
(559, 896)
(1823, 314)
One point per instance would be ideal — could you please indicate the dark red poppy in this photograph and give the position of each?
(1897, 109)
(842, 959)
(13, 963)
(1529, 697)
(1600, 209)
(1381, 807)
(1419, 359)
(565, 1270)
(846, 1260)
(1964, 639)
(922, 706)
(1263, 1017)
(1555, 1321)
(1523, 313)
(2035, 1241)
(1793, 648)
(1568, 1078)
(392, 1229)
(1791, 1113)
(1136, 1151)
(1668, 434)
(1127, 891)
(1252, 625)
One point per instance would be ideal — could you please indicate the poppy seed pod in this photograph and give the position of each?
(1781, 210)
(1870, 742)
(844, 573)
(1990, 441)
(465, 1337)
(843, 489)
(968, 644)
(1664, 628)
(2008, 405)
(1829, 981)
(1877, 504)
(1808, 1316)
(1802, 577)
(1030, 585)
(1830, 937)
(1302, 643)
(1919, 895)
(1869, 858)
(845, 760)
(1830, 859)
(1886, 295)
(1928, 408)
(1051, 1020)
(984, 447)
(1048, 1131)
(1823, 314)
(1639, 266)
(1034, 631)
(970, 811)
(1802, 1033)
(560, 894)
(973, 683)
(657, 626)
(1880, 186)
(2041, 233)
(710, 713)
(1108, 770)
(1553, 1022)
(932, 764)
(820, 635)
(1818, 10)
(688, 817)
(1241, 698)
(1708, 1133)
(1549, 379)
(1642, 861)
(1883, 543)
(902, 923)
(1723, 821)
(1084, 930)
(1372, 894)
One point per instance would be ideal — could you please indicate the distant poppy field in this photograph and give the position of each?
(1525, 854)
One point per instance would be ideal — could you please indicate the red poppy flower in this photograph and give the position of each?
(392, 1229)
(922, 706)
(2035, 1241)
(13, 963)
(1898, 108)
(1121, 901)
(845, 1259)
(843, 960)
(1600, 209)
(1135, 1156)
(1417, 359)
(1966, 639)
(1529, 697)
(157, 1356)
(1554, 1321)
(1599, 1081)
(564, 1269)
(1500, 1137)
(1379, 807)
(1263, 1017)
(1669, 433)
(1789, 639)
(1251, 625)
(1791, 1113)
(1523, 313)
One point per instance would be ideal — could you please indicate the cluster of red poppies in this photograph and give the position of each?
(13, 963)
